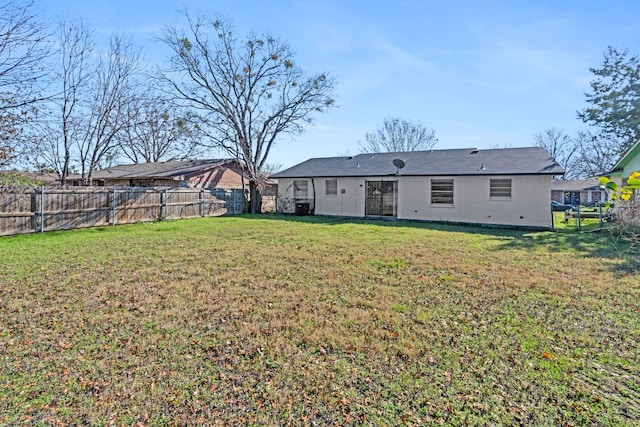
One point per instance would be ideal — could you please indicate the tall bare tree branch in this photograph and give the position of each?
(396, 134)
(76, 71)
(24, 48)
(247, 93)
(595, 154)
(113, 89)
(158, 131)
(561, 147)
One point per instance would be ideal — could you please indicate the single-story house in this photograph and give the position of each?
(586, 192)
(501, 187)
(629, 162)
(216, 173)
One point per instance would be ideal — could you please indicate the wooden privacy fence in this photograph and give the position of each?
(29, 210)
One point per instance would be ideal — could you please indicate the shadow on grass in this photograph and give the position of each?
(597, 244)
(394, 223)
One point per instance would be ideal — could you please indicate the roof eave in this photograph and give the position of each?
(626, 158)
(418, 175)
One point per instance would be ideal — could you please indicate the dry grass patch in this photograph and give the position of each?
(243, 320)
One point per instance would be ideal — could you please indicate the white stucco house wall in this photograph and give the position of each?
(627, 211)
(499, 187)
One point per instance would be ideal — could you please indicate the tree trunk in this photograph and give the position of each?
(65, 167)
(255, 198)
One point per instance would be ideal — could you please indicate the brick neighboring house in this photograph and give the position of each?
(586, 192)
(211, 173)
(218, 174)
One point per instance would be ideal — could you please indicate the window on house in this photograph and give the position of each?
(331, 187)
(442, 191)
(300, 189)
(500, 188)
(141, 183)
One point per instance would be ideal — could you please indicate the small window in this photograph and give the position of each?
(331, 187)
(442, 191)
(500, 188)
(300, 189)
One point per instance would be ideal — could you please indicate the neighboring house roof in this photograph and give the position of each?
(46, 177)
(626, 158)
(469, 161)
(575, 185)
(177, 169)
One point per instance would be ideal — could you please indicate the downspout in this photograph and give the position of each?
(313, 188)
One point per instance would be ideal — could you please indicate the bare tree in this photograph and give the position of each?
(594, 155)
(158, 131)
(23, 50)
(112, 90)
(10, 136)
(75, 73)
(398, 135)
(271, 168)
(499, 146)
(247, 93)
(561, 147)
(97, 91)
(50, 153)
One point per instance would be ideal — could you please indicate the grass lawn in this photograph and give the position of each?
(571, 224)
(286, 320)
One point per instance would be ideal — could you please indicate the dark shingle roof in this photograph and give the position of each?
(167, 170)
(575, 184)
(469, 161)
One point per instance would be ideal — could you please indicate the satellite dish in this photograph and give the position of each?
(398, 163)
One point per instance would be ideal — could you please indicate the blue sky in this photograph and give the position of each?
(483, 74)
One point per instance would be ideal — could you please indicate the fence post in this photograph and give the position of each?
(201, 202)
(113, 206)
(165, 215)
(34, 209)
(600, 214)
(235, 201)
(42, 209)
